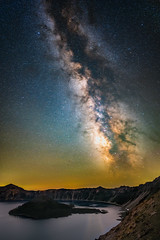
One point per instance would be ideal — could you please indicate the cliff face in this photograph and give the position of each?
(142, 222)
(126, 196)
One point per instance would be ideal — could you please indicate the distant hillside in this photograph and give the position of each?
(142, 222)
(126, 196)
(11, 192)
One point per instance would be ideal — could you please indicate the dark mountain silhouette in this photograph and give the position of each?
(124, 195)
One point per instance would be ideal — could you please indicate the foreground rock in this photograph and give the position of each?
(142, 222)
(41, 209)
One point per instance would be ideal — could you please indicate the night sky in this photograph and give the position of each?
(79, 92)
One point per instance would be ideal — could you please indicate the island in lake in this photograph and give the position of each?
(42, 209)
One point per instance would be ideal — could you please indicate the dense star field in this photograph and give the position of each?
(80, 92)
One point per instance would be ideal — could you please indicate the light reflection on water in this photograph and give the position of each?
(76, 226)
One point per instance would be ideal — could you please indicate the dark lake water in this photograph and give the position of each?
(74, 227)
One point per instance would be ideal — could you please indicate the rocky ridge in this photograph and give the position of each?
(125, 196)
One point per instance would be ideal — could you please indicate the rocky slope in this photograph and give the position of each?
(142, 222)
(126, 196)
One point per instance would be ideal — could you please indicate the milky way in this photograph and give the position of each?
(79, 92)
(96, 82)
